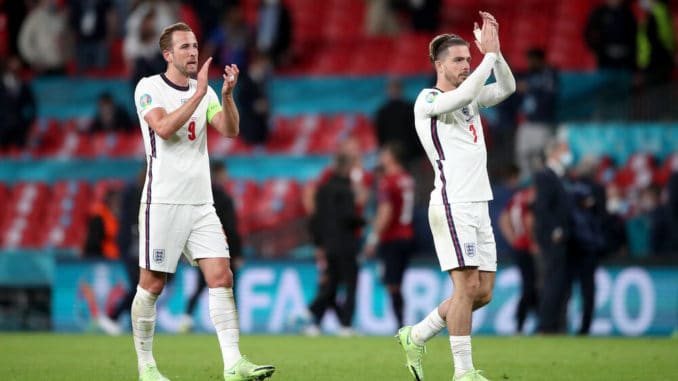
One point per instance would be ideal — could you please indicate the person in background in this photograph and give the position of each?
(210, 11)
(516, 224)
(656, 42)
(253, 100)
(656, 50)
(538, 89)
(110, 117)
(140, 46)
(94, 24)
(394, 122)
(274, 31)
(225, 207)
(102, 228)
(231, 40)
(551, 232)
(588, 242)
(392, 236)
(381, 18)
(44, 41)
(333, 226)
(17, 105)
(611, 35)
(361, 181)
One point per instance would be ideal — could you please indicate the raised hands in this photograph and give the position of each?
(202, 78)
(489, 36)
(230, 75)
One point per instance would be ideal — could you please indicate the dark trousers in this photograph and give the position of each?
(528, 296)
(132, 268)
(582, 268)
(340, 271)
(553, 301)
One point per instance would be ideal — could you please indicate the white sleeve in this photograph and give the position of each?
(504, 86)
(146, 97)
(212, 95)
(462, 95)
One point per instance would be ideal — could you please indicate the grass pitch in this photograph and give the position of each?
(196, 357)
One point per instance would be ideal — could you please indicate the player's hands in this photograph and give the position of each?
(230, 75)
(487, 16)
(489, 37)
(202, 78)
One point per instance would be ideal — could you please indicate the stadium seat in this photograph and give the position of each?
(66, 218)
(24, 218)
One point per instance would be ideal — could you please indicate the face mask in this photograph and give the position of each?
(566, 159)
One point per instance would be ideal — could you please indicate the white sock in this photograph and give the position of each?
(143, 326)
(461, 353)
(225, 320)
(427, 328)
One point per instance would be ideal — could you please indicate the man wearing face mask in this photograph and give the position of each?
(551, 220)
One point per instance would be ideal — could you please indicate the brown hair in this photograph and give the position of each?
(166, 36)
(440, 43)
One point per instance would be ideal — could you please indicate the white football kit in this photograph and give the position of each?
(449, 127)
(177, 213)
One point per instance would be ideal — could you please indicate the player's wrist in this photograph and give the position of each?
(199, 94)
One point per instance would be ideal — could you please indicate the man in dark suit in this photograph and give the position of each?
(333, 228)
(551, 231)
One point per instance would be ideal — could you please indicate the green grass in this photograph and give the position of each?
(196, 357)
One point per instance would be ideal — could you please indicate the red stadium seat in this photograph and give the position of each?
(23, 225)
(66, 217)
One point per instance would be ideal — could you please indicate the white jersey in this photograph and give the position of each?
(450, 130)
(178, 167)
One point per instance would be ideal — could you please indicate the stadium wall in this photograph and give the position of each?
(631, 301)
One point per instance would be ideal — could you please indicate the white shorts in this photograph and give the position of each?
(463, 237)
(167, 230)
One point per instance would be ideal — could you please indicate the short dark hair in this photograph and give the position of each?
(166, 36)
(441, 42)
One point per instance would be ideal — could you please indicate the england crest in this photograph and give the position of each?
(159, 256)
(470, 249)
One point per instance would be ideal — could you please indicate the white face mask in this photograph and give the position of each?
(566, 159)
